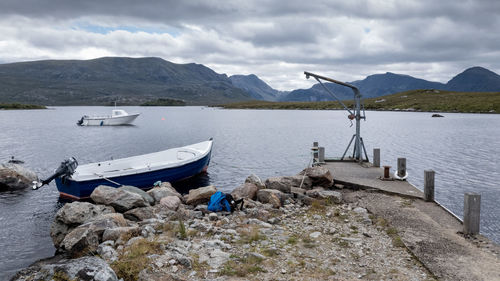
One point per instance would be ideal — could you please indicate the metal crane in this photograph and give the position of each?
(358, 107)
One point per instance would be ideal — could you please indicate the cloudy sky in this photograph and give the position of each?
(276, 40)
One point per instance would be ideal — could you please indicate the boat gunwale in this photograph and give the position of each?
(145, 169)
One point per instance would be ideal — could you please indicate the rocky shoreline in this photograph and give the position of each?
(298, 227)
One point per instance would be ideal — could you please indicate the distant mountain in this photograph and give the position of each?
(106, 80)
(257, 88)
(475, 79)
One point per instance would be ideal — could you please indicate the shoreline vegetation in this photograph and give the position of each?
(415, 100)
(12, 106)
(165, 102)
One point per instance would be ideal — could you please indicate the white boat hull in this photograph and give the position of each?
(109, 121)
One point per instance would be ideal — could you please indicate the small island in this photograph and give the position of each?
(8, 106)
(165, 102)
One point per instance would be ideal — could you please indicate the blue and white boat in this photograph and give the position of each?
(171, 165)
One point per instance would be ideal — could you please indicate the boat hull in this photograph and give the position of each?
(76, 190)
(109, 121)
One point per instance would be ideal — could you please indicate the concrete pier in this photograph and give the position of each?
(431, 232)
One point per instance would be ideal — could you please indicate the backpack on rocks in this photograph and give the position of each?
(220, 201)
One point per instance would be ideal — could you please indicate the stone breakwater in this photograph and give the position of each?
(290, 228)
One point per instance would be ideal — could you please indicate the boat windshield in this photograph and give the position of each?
(119, 112)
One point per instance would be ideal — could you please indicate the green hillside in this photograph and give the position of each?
(415, 100)
(127, 81)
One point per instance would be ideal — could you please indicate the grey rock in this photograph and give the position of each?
(108, 253)
(319, 175)
(119, 199)
(81, 212)
(163, 191)
(284, 184)
(315, 235)
(271, 196)
(140, 214)
(81, 240)
(296, 190)
(213, 216)
(217, 258)
(200, 195)
(360, 210)
(86, 237)
(85, 268)
(304, 199)
(170, 202)
(253, 178)
(113, 234)
(139, 191)
(314, 193)
(15, 176)
(58, 231)
(247, 191)
(333, 196)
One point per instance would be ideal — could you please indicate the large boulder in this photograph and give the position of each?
(85, 268)
(271, 196)
(253, 178)
(163, 191)
(117, 198)
(81, 240)
(86, 237)
(14, 176)
(319, 175)
(81, 212)
(247, 190)
(139, 191)
(284, 184)
(200, 195)
(170, 202)
(140, 214)
(73, 214)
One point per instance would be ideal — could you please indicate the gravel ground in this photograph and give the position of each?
(318, 242)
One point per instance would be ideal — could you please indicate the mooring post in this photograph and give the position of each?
(429, 185)
(321, 155)
(401, 167)
(472, 210)
(315, 151)
(376, 157)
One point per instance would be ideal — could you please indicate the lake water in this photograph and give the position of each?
(463, 149)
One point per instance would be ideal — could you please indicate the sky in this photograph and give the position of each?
(275, 40)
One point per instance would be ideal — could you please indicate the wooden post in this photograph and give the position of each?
(401, 167)
(472, 209)
(429, 185)
(321, 156)
(376, 157)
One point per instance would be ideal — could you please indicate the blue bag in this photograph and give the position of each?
(218, 202)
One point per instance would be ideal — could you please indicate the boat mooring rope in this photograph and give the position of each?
(105, 178)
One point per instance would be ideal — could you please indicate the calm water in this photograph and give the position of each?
(463, 149)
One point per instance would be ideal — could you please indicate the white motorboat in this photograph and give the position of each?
(118, 117)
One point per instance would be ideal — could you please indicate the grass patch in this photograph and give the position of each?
(135, 258)
(242, 267)
(250, 234)
(341, 242)
(182, 229)
(308, 242)
(292, 240)
(396, 239)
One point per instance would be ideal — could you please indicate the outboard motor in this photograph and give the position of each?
(66, 169)
(80, 122)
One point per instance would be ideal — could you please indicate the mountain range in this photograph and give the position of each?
(135, 81)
